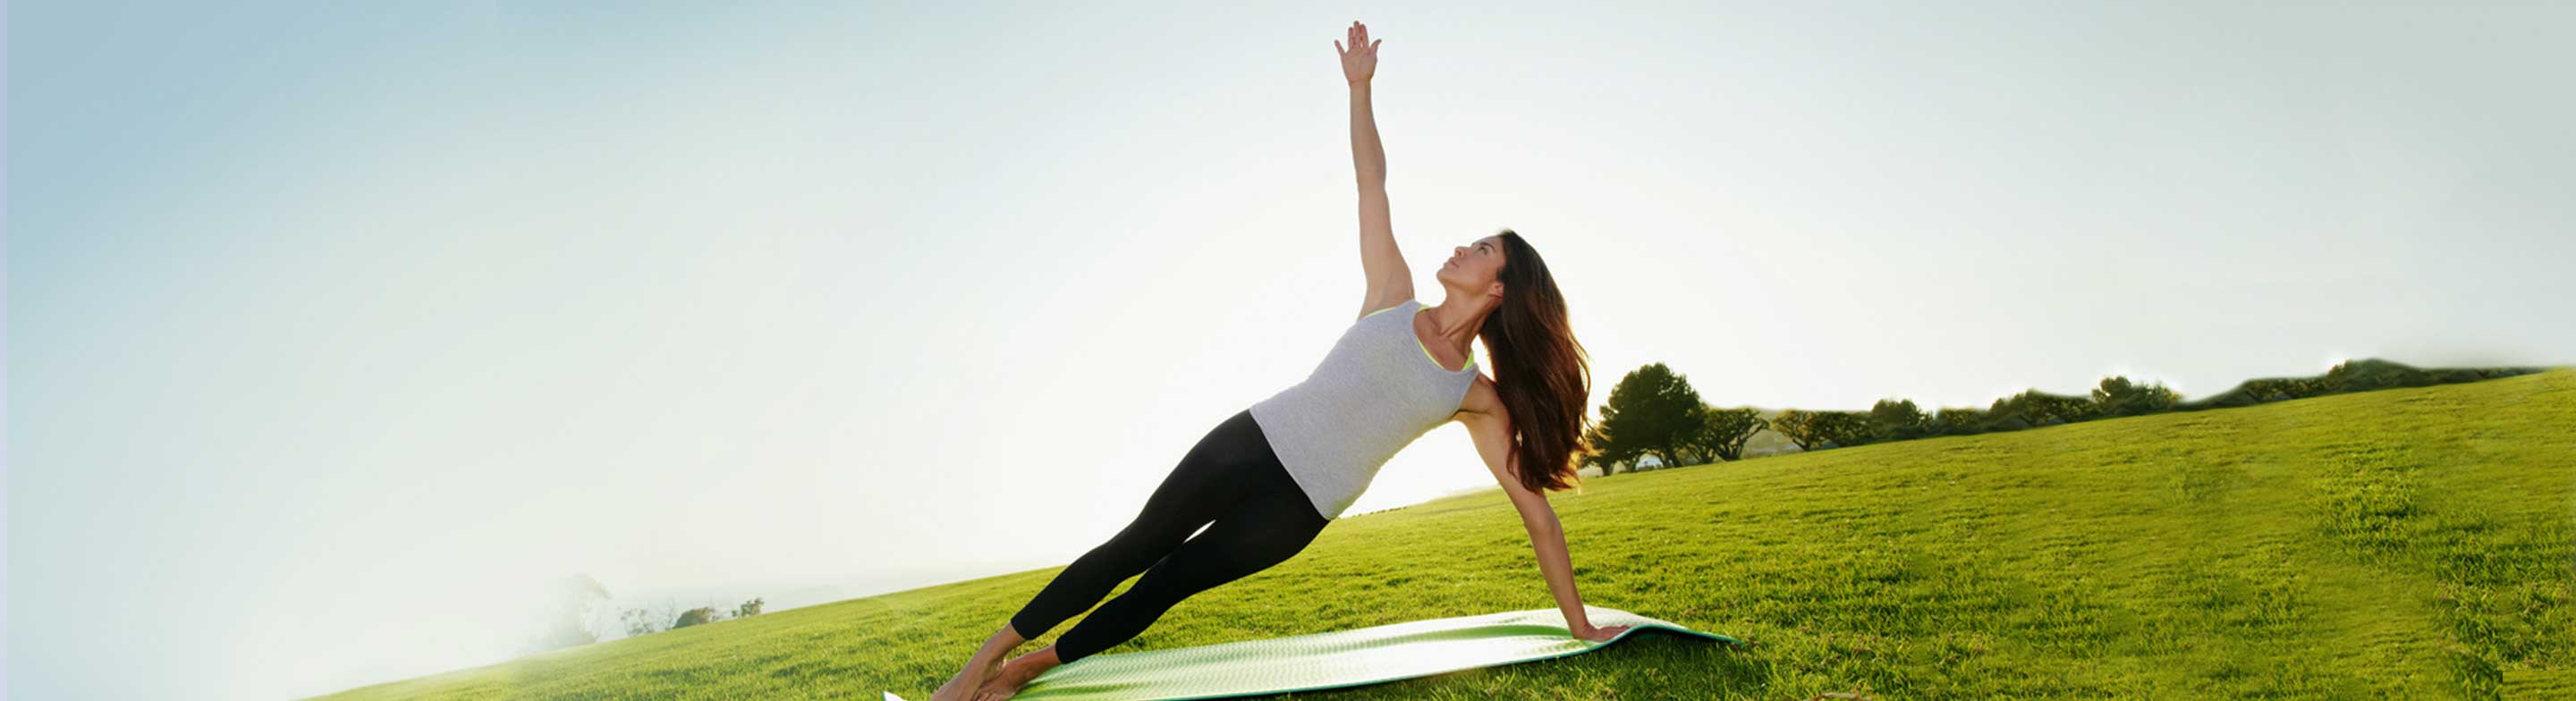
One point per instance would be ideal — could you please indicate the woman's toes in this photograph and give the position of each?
(962, 687)
(1002, 686)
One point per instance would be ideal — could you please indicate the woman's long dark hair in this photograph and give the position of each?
(1539, 369)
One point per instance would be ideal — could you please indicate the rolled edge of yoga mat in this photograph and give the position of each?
(1335, 659)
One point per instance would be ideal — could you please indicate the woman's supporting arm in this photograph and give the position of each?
(1492, 434)
(1547, 538)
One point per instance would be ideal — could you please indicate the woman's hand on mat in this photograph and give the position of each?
(1600, 634)
(1359, 61)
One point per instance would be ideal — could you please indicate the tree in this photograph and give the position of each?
(748, 608)
(2035, 409)
(1799, 426)
(1722, 433)
(2117, 396)
(2073, 409)
(1897, 420)
(641, 621)
(697, 616)
(1959, 421)
(1652, 411)
(2273, 389)
(2003, 414)
(1844, 429)
(568, 619)
(1601, 452)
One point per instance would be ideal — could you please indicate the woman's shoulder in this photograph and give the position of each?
(1481, 399)
(1376, 307)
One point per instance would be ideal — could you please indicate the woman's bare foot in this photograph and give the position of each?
(1017, 673)
(982, 667)
(967, 682)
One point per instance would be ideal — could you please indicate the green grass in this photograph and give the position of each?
(2398, 543)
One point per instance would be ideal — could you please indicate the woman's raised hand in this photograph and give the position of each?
(1359, 61)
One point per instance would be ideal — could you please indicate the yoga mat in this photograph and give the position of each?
(1334, 659)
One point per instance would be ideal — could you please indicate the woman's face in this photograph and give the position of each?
(1474, 266)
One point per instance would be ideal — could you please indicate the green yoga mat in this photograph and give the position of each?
(1333, 660)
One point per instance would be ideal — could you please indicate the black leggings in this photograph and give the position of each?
(1231, 478)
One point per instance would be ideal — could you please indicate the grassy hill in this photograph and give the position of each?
(2406, 542)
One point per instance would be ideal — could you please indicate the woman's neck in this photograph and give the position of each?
(1457, 323)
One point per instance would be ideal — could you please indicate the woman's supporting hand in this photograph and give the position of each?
(1599, 634)
(1359, 62)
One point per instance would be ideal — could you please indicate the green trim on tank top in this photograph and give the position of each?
(1435, 362)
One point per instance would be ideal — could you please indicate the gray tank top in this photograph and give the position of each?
(1376, 391)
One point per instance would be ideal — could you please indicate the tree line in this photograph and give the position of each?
(573, 597)
(1654, 411)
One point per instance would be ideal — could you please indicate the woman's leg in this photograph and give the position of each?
(1271, 523)
(1264, 530)
(1208, 482)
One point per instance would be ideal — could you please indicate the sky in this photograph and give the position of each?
(337, 331)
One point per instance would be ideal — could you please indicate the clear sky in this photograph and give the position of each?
(337, 330)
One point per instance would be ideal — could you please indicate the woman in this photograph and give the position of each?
(1265, 481)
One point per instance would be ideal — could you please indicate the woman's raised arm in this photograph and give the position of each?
(1389, 281)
